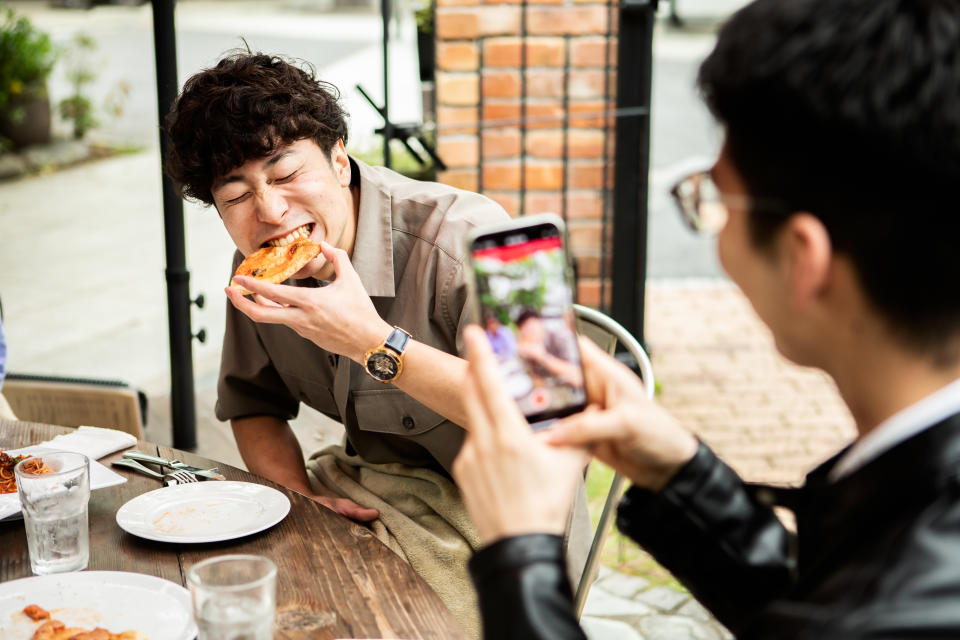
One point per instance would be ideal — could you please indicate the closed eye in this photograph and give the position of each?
(238, 198)
(286, 178)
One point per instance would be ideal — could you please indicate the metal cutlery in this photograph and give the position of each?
(175, 477)
(140, 456)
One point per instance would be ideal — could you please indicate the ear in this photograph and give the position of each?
(808, 254)
(340, 163)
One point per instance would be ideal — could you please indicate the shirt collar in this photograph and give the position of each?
(373, 247)
(900, 426)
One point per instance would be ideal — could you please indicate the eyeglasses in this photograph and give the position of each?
(705, 209)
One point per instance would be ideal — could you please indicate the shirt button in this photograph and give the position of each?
(408, 423)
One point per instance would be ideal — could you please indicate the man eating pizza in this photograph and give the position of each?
(383, 301)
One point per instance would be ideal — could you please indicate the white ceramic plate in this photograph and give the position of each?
(100, 477)
(207, 511)
(115, 600)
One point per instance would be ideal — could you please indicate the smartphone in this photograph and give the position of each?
(522, 297)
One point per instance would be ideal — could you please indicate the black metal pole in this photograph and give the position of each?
(183, 411)
(632, 163)
(387, 125)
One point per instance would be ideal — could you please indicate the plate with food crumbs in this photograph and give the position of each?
(126, 606)
(203, 512)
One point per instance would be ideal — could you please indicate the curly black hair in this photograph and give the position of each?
(244, 108)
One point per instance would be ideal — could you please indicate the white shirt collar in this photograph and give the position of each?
(902, 425)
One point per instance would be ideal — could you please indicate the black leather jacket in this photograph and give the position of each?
(876, 554)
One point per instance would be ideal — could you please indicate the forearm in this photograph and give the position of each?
(270, 449)
(524, 591)
(430, 376)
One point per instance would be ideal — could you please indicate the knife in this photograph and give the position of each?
(140, 456)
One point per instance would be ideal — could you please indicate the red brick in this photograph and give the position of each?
(540, 115)
(540, 52)
(547, 143)
(501, 176)
(457, 56)
(547, 175)
(457, 24)
(583, 83)
(501, 143)
(499, 21)
(592, 52)
(588, 175)
(593, 114)
(501, 84)
(544, 83)
(584, 236)
(460, 178)
(507, 176)
(588, 293)
(458, 151)
(567, 20)
(577, 144)
(588, 266)
(585, 144)
(509, 200)
(548, 202)
(457, 89)
(584, 204)
(451, 120)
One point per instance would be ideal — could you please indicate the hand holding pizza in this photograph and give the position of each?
(339, 318)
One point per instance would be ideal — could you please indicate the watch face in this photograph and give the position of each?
(382, 366)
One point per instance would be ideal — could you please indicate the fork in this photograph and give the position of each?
(179, 477)
(175, 477)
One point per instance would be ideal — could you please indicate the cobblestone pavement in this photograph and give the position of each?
(772, 421)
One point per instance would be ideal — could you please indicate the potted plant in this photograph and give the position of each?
(27, 56)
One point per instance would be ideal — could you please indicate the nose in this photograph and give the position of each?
(271, 205)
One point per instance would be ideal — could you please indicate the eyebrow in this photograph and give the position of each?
(237, 177)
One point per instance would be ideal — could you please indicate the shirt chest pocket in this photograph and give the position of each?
(394, 412)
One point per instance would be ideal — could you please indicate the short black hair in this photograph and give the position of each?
(242, 109)
(850, 109)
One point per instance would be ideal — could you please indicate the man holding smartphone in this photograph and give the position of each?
(835, 200)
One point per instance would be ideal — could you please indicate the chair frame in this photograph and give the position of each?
(635, 349)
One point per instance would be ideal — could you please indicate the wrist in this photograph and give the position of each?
(370, 339)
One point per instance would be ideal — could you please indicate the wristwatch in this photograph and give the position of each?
(385, 361)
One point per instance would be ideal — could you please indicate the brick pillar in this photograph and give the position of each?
(549, 156)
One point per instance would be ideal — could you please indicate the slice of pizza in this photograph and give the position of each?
(276, 264)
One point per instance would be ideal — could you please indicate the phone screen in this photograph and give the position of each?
(526, 308)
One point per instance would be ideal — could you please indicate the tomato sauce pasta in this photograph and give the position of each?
(8, 483)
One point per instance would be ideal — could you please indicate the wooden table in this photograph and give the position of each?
(334, 578)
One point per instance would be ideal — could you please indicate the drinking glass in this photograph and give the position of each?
(54, 503)
(234, 597)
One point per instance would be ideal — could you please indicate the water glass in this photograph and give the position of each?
(54, 504)
(234, 597)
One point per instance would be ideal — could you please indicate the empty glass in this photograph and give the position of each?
(54, 492)
(234, 597)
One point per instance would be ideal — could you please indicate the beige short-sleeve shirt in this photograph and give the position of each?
(410, 254)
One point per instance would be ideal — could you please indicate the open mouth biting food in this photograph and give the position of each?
(279, 258)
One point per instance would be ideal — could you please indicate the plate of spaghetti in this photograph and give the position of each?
(100, 477)
(8, 481)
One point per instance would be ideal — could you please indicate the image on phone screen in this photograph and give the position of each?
(526, 310)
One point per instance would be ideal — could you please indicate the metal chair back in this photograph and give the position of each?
(607, 333)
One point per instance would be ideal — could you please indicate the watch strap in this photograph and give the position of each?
(397, 340)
